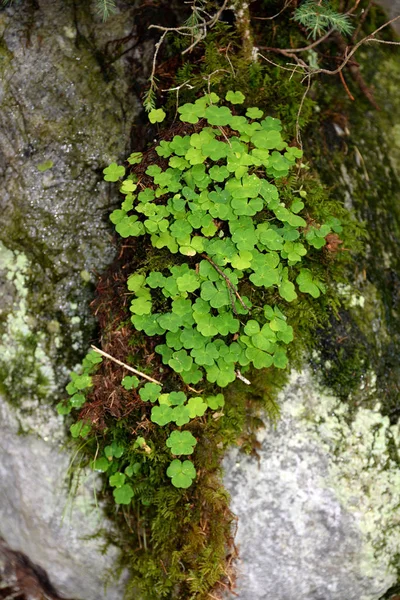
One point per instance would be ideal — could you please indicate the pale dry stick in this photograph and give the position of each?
(313, 44)
(208, 24)
(208, 78)
(304, 48)
(224, 135)
(385, 42)
(118, 362)
(229, 60)
(279, 66)
(188, 30)
(242, 378)
(177, 89)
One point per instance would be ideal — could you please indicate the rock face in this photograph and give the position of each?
(40, 518)
(66, 112)
(318, 513)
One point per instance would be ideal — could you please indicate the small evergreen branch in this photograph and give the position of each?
(319, 17)
(105, 8)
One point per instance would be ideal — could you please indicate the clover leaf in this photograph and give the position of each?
(141, 306)
(100, 464)
(129, 382)
(162, 414)
(123, 494)
(189, 282)
(287, 291)
(215, 402)
(181, 473)
(190, 113)
(117, 480)
(218, 115)
(180, 361)
(219, 173)
(177, 398)
(197, 407)
(181, 442)
(235, 97)
(135, 158)
(150, 392)
(114, 450)
(181, 415)
(157, 115)
(164, 149)
(308, 284)
(128, 186)
(80, 429)
(63, 408)
(113, 172)
(254, 113)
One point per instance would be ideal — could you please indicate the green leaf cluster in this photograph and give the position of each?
(77, 389)
(215, 200)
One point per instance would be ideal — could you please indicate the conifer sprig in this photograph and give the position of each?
(105, 8)
(319, 17)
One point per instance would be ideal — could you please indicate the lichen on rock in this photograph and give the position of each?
(318, 514)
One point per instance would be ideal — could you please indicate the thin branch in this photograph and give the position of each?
(191, 29)
(240, 376)
(298, 135)
(287, 3)
(346, 87)
(386, 42)
(367, 38)
(276, 64)
(228, 281)
(118, 362)
(310, 46)
(361, 21)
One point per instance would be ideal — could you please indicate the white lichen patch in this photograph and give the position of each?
(362, 450)
(27, 373)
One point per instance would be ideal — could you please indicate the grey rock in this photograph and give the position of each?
(318, 512)
(65, 114)
(54, 527)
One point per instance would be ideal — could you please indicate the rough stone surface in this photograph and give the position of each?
(66, 112)
(40, 517)
(318, 512)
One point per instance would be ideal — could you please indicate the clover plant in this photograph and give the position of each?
(211, 200)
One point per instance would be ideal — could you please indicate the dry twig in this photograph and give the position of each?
(122, 364)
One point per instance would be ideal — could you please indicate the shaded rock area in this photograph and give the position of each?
(319, 516)
(67, 108)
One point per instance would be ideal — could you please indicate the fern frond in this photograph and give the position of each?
(319, 17)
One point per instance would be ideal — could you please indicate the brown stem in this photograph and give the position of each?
(231, 286)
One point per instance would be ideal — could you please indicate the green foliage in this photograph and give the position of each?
(181, 473)
(217, 203)
(157, 115)
(105, 8)
(226, 243)
(78, 387)
(319, 17)
(113, 172)
(45, 166)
